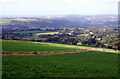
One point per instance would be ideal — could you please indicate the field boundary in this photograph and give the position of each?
(93, 49)
(73, 46)
(44, 53)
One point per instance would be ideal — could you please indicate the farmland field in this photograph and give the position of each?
(50, 33)
(20, 46)
(80, 47)
(83, 64)
(77, 64)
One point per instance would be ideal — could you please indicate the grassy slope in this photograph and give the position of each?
(80, 47)
(83, 64)
(19, 46)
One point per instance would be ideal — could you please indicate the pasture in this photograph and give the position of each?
(77, 64)
(48, 33)
(80, 47)
(83, 64)
(23, 46)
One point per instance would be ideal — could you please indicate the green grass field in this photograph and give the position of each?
(48, 33)
(80, 47)
(83, 64)
(19, 46)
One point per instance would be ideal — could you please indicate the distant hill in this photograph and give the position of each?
(62, 21)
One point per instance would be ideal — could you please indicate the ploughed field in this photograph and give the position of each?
(75, 64)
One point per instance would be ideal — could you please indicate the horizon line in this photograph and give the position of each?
(54, 15)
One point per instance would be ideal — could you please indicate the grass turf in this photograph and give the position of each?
(20, 46)
(83, 64)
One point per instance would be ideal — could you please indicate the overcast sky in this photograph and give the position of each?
(57, 7)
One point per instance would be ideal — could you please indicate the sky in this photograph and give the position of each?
(57, 7)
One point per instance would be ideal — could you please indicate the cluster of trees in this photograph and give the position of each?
(106, 37)
(15, 36)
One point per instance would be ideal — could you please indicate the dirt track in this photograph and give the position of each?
(43, 53)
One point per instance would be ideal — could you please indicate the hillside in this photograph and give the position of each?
(83, 64)
(62, 21)
(40, 59)
(28, 46)
(24, 46)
